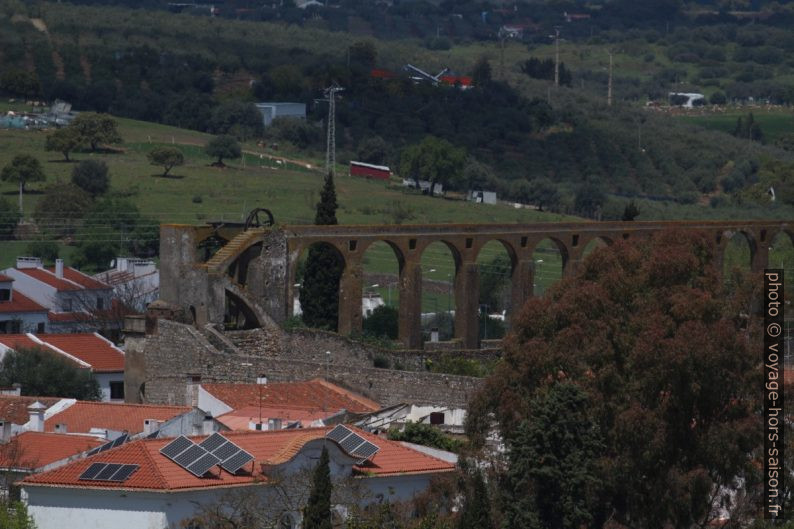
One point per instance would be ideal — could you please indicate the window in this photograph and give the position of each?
(117, 390)
(5, 294)
(437, 417)
(67, 305)
(40, 327)
(100, 303)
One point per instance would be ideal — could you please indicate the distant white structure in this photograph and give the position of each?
(369, 302)
(482, 197)
(691, 98)
(271, 111)
(424, 185)
(136, 282)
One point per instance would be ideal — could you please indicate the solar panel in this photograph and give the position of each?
(201, 466)
(104, 447)
(109, 470)
(123, 473)
(92, 471)
(176, 447)
(189, 456)
(93, 451)
(226, 450)
(236, 462)
(153, 435)
(120, 440)
(339, 433)
(352, 442)
(366, 450)
(213, 442)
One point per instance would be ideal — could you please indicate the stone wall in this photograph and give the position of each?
(178, 356)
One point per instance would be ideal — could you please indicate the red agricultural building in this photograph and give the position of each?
(367, 170)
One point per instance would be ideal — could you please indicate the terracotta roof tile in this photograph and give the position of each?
(20, 341)
(310, 395)
(20, 303)
(5, 279)
(81, 416)
(15, 409)
(80, 278)
(240, 419)
(160, 473)
(69, 317)
(32, 450)
(90, 348)
(50, 279)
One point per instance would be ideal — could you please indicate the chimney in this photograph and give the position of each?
(5, 431)
(36, 411)
(207, 425)
(274, 424)
(59, 268)
(61, 428)
(150, 426)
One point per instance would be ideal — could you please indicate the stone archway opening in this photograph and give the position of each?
(549, 258)
(737, 257)
(316, 288)
(595, 244)
(381, 265)
(439, 267)
(495, 264)
(238, 315)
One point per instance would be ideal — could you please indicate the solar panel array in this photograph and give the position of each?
(108, 472)
(232, 457)
(118, 441)
(198, 459)
(352, 443)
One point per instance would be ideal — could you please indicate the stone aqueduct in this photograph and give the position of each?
(255, 269)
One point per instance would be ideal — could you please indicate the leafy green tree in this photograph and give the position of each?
(45, 374)
(718, 98)
(589, 200)
(319, 293)
(45, 250)
(317, 513)
(92, 177)
(64, 140)
(372, 149)
(552, 479)
(494, 280)
(543, 193)
(167, 157)
(221, 147)
(95, 129)
(383, 322)
(435, 160)
(237, 118)
(22, 170)
(14, 515)
(631, 211)
(662, 353)
(61, 209)
(426, 435)
(748, 129)
(476, 511)
(478, 176)
(9, 218)
(18, 82)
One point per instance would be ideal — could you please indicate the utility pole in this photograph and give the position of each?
(609, 83)
(330, 148)
(557, 57)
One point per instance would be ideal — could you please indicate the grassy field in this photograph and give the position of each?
(773, 123)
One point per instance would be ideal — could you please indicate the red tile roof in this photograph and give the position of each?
(5, 279)
(80, 278)
(239, 419)
(81, 416)
(32, 450)
(157, 472)
(68, 317)
(310, 394)
(49, 278)
(15, 409)
(21, 341)
(99, 353)
(20, 303)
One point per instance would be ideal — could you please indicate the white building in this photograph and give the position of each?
(19, 313)
(156, 492)
(135, 282)
(271, 111)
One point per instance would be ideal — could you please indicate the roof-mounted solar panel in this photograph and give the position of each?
(366, 450)
(226, 450)
(124, 473)
(108, 471)
(92, 471)
(176, 447)
(120, 440)
(213, 442)
(237, 461)
(190, 455)
(203, 464)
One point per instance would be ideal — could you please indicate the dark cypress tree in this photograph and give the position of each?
(317, 513)
(319, 293)
(476, 513)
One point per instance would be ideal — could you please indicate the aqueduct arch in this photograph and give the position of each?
(189, 280)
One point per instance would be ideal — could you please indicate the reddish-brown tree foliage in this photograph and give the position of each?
(664, 354)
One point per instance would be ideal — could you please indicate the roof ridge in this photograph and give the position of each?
(119, 404)
(144, 448)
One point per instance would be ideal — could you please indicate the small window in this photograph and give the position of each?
(117, 390)
(67, 305)
(437, 417)
(5, 294)
(40, 327)
(100, 303)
